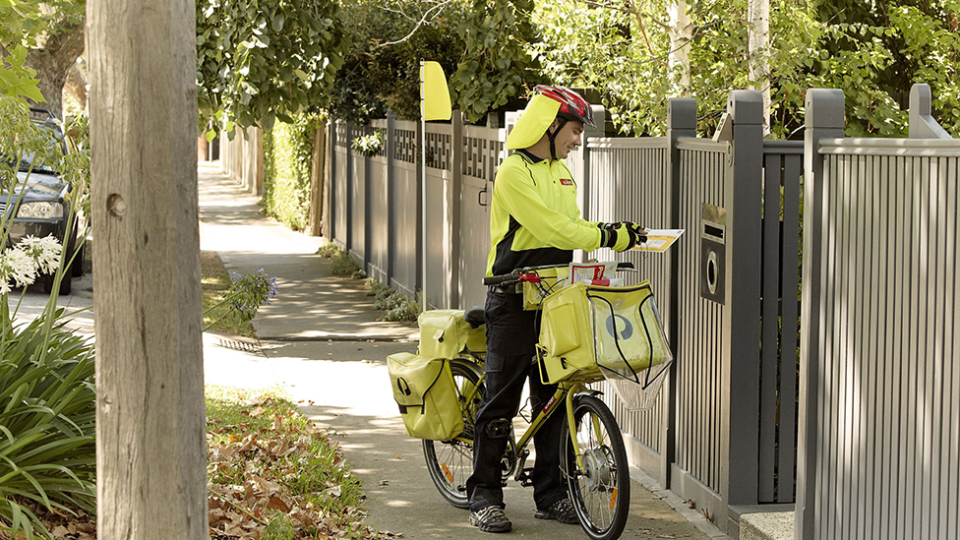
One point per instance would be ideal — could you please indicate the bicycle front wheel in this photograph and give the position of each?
(451, 462)
(600, 489)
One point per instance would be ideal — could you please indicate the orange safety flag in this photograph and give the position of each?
(434, 96)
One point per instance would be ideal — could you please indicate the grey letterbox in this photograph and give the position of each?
(713, 252)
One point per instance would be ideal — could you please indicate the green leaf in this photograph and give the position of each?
(278, 22)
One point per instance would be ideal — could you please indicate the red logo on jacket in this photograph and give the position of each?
(566, 181)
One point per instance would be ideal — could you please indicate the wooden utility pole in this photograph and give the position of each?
(151, 451)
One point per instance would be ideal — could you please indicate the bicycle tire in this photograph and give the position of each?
(600, 492)
(451, 462)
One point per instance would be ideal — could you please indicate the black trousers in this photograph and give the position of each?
(512, 334)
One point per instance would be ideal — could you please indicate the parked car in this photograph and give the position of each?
(41, 205)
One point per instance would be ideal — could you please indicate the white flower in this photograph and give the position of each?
(43, 252)
(16, 266)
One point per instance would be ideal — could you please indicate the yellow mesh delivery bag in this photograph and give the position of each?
(589, 333)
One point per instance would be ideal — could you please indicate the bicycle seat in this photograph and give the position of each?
(474, 316)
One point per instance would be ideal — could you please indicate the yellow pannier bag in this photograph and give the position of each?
(426, 393)
(551, 279)
(590, 332)
(444, 334)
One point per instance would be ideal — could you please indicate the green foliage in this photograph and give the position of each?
(47, 423)
(341, 263)
(875, 56)
(496, 64)
(398, 306)
(47, 392)
(280, 527)
(479, 43)
(369, 145)
(259, 61)
(873, 52)
(21, 137)
(376, 76)
(26, 22)
(16, 79)
(287, 163)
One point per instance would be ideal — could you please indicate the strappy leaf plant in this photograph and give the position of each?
(47, 392)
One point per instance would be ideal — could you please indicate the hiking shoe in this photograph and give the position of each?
(561, 511)
(491, 519)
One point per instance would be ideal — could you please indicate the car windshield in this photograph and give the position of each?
(29, 162)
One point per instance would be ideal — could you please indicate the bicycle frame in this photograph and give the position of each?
(563, 396)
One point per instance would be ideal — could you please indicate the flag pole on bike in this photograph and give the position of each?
(434, 105)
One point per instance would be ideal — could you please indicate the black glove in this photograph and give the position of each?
(621, 236)
(609, 226)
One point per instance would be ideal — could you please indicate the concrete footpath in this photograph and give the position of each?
(320, 341)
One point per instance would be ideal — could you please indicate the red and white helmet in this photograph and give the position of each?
(572, 105)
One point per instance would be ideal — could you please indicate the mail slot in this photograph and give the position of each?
(713, 253)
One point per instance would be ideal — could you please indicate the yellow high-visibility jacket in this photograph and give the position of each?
(534, 217)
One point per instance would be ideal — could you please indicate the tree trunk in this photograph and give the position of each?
(681, 34)
(53, 63)
(758, 41)
(76, 86)
(151, 453)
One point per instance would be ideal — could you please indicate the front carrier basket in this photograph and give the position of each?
(589, 333)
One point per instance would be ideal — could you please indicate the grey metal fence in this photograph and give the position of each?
(880, 420)
(880, 416)
(376, 205)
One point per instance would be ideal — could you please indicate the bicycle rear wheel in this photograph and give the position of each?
(451, 462)
(600, 490)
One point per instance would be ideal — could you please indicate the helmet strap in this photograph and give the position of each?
(553, 136)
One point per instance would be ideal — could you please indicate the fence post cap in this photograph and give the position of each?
(746, 107)
(824, 108)
(681, 113)
(921, 99)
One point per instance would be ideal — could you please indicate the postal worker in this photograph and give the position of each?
(534, 220)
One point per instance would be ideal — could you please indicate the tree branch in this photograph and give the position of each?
(426, 15)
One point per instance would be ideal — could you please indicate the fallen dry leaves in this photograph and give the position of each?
(261, 474)
(261, 470)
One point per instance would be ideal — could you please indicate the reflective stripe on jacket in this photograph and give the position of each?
(534, 217)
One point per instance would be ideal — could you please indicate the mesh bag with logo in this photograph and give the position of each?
(590, 333)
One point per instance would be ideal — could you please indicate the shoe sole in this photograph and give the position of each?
(546, 515)
(501, 528)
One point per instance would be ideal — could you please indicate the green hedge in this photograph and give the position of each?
(287, 160)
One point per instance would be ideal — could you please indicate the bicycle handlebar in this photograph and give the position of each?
(529, 274)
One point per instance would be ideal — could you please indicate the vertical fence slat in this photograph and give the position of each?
(769, 326)
(787, 419)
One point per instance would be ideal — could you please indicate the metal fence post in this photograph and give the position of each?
(824, 120)
(456, 182)
(390, 147)
(348, 193)
(681, 122)
(922, 124)
(583, 164)
(739, 422)
(330, 171)
(421, 140)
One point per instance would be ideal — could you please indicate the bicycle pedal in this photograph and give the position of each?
(525, 477)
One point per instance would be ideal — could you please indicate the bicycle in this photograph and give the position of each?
(592, 454)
